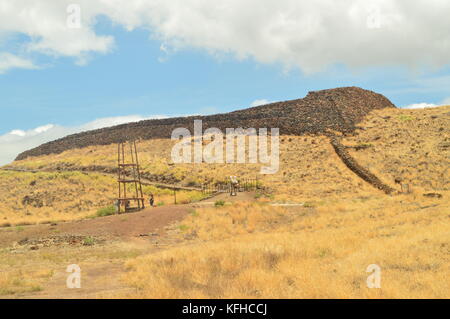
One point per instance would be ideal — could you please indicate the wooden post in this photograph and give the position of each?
(118, 178)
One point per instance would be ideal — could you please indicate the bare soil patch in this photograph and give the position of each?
(124, 226)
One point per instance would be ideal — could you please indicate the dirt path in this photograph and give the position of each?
(123, 226)
(115, 238)
(102, 263)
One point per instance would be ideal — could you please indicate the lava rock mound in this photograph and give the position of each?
(337, 109)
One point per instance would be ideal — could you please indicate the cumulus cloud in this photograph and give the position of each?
(309, 35)
(17, 141)
(420, 106)
(260, 102)
(46, 23)
(425, 105)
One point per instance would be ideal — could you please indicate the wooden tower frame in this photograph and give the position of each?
(129, 173)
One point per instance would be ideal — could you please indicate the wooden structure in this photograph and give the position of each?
(131, 197)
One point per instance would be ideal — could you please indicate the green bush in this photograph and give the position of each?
(309, 205)
(191, 183)
(219, 203)
(88, 241)
(106, 211)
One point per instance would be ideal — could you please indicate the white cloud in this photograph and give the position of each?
(260, 102)
(17, 141)
(427, 105)
(44, 22)
(45, 128)
(310, 35)
(18, 132)
(420, 106)
(10, 61)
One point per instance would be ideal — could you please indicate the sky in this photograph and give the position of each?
(70, 66)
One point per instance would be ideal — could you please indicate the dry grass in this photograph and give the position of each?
(240, 252)
(305, 162)
(35, 273)
(410, 145)
(254, 250)
(30, 198)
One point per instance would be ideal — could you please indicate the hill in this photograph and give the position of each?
(335, 109)
(317, 221)
(410, 146)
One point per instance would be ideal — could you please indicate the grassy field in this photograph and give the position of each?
(25, 272)
(412, 146)
(44, 197)
(253, 250)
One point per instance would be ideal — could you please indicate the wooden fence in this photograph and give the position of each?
(243, 185)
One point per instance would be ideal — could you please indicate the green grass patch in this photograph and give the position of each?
(88, 241)
(406, 118)
(219, 203)
(106, 211)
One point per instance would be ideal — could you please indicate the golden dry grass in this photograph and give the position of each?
(42, 273)
(305, 162)
(410, 145)
(52, 196)
(257, 251)
(30, 198)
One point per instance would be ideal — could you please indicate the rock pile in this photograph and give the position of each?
(319, 112)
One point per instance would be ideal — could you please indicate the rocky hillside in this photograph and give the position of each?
(335, 109)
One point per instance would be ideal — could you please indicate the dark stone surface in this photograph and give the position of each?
(320, 111)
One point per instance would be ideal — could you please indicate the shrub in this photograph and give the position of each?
(309, 205)
(88, 241)
(191, 183)
(106, 211)
(219, 203)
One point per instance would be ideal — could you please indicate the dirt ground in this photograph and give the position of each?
(123, 226)
(99, 245)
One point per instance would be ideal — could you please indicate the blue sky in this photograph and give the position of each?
(152, 70)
